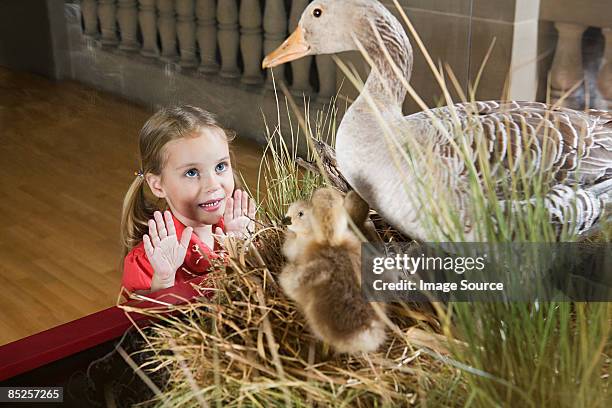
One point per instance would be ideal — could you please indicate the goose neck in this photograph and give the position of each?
(390, 52)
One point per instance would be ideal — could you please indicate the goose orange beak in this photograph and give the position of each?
(293, 48)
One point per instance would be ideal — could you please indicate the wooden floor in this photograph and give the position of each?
(67, 157)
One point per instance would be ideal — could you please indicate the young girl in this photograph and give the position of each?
(185, 162)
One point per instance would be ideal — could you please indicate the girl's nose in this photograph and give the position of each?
(210, 182)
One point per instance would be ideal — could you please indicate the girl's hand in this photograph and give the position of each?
(165, 253)
(239, 215)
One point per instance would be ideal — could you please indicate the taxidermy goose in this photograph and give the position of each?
(574, 149)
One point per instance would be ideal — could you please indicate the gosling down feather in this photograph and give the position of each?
(572, 149)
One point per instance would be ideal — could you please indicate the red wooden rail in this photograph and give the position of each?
(61, 341)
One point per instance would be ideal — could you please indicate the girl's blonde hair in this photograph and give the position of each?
(166, 125)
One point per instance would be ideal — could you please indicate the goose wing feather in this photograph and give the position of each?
(571, 149)
(569, 146)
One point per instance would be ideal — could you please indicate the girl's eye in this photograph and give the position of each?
(192, 173)
(221, 167)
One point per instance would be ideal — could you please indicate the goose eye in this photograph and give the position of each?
(317, 12)
(301, 213)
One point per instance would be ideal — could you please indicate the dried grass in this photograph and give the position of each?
(250, 346)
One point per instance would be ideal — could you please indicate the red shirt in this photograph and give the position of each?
(138, 272)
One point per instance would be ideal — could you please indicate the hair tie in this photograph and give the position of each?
(139, 173)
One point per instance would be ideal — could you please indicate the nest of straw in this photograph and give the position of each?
(249, 345)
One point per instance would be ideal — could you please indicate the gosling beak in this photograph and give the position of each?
(286, 221)
(293, 48)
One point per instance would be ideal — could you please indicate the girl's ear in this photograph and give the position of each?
(154, 182)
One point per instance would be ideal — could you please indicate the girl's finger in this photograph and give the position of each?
(148, 247)
(237, 203)
(161, 225)
(219, 236)
(252, 208)
(186, 237)
(245, 203)
(153, 233)
(229, 210)
(169, 223)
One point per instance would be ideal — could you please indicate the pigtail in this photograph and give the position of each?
(135, 214)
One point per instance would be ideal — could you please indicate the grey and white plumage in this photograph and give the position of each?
(572, 149)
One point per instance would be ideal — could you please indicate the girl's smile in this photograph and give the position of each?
(212, 205)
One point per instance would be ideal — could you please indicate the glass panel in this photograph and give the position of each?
(110, 64)
(79, 79)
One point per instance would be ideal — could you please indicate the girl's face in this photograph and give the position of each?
(196, 177)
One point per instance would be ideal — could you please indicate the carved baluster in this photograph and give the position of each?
(567, 70)
(275, 30)
(89, 9)
(301, 67)
(127, 16)
(251, 43)
(229, 38)
(604, 80)
(186, 31)
(326, 71)
(207, 36)
(108, 22)
(147, 18)
(166, 24)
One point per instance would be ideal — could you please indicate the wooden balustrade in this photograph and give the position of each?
(326, 69)
(275, 31)
(166, 24)
(213, 36)
(567, 71)
(207, 36)
(227, 16)
(186, 33)
(604, 80)
(251, 43)
(147, 20)
(89, 9)
(127, 17)
(108, 22)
